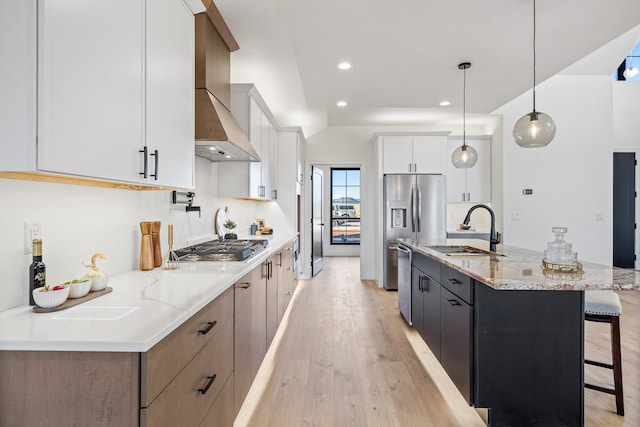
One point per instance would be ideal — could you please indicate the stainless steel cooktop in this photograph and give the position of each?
(221, 250)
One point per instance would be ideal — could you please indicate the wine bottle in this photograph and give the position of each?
(37, 271)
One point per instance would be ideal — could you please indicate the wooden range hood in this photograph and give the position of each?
(218, 135)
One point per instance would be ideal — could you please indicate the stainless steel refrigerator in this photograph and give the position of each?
(415, 206)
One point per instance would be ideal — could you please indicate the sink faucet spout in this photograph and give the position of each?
(494, 237)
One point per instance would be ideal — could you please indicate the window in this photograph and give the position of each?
(345, 206)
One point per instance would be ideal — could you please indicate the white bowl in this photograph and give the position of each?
(78, 287)
(99, 283)
(50, 298)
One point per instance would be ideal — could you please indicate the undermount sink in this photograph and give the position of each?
(95, 313)
(462, 251)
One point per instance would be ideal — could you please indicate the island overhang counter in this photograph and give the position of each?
(509, 334)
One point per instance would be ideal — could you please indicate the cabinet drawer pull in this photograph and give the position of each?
(208, 328)
(145, 169)
(289, 293)
(453, 302)
(245, 285)
(454, 281)
(206, 388)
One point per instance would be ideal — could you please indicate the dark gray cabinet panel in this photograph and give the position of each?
(425, 308)
(456, 341)
(458, 283)
(417, 302)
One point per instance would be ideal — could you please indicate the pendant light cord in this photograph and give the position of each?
(464, 107)
(534, 56)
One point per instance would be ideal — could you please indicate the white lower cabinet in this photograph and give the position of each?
(112, 84)
(472, 184)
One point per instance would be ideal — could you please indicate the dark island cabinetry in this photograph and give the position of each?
(425, 303)
(518, 353)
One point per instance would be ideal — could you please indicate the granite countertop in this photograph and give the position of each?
(521, 269)
(144, 307)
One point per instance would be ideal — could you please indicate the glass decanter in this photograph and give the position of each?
(559, 251)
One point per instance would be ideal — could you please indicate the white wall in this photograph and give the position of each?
(571, 178)
(78, 221)
(343, 146)
(352, 145)
(626, 115)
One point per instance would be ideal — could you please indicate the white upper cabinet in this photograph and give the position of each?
(90, 88)
(412, 154)
(472, 184)
(170, 92)
(274, 161)
(289, 185)
(254, 180)
(112, 79)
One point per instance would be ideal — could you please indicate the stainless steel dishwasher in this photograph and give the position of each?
(404, 282)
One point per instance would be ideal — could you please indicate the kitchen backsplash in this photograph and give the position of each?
(480, 219)
(78, 221)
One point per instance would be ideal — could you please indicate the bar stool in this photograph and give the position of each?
(604, 307)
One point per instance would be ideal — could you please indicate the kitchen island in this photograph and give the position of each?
(147, 353)
(508, 334)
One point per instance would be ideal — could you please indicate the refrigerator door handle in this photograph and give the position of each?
(419, 204)
(413, 209)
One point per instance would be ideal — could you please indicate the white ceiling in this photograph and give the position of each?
(405, 54)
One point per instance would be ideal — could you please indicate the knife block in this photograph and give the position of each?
(146, 247)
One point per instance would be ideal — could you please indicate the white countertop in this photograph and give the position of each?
(144, 307)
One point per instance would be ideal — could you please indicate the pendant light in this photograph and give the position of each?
(535, 129)
(631, 71)
(464, 156)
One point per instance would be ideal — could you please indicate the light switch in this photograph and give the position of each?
(515, 216)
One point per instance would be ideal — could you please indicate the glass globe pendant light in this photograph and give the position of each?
(464, 156)
(534, 129)
(631, 71)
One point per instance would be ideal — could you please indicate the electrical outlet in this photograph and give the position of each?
(515, 216)
(31, 231)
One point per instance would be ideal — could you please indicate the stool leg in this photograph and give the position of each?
(617, 363)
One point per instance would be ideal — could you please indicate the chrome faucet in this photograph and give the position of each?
(494, 238)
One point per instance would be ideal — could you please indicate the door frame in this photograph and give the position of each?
(637, 204)
(305, 232)
(316, 173)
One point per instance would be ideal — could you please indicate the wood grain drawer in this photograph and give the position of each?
(188, 398)
(287, 251)
(222, 413)
(457, 283)
(167, 358)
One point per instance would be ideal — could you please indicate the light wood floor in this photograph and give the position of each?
(345, 357)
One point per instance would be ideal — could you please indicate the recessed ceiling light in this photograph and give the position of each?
(445, 103)
(344, 65)
(341, 103)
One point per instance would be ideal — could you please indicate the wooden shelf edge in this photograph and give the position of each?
(72, 180)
